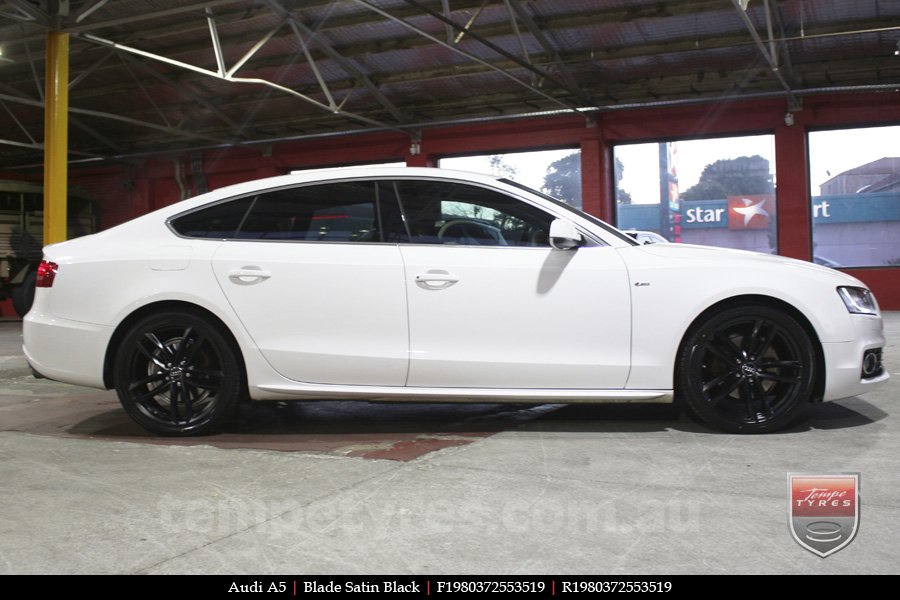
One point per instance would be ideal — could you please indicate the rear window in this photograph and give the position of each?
(219, 221)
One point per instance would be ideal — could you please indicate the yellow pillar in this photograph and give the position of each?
(56, 137)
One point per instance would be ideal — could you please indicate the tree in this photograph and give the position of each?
(745, 175)
(622, 197)
(563, 180)
(501, 168)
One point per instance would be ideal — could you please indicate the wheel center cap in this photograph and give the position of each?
(749, 370)
(176, 373)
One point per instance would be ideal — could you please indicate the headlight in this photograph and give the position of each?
(858, 300)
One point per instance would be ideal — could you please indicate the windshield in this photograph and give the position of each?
(602, 224)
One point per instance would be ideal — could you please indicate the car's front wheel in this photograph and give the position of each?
(747, 369)
(176, 374)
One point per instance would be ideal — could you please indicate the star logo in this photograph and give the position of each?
(750, 212)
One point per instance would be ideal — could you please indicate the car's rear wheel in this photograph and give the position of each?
(176, 374)
(747, 369)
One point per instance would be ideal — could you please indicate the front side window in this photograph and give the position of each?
(440, 212)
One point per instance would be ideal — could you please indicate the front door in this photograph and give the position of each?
(491, 305)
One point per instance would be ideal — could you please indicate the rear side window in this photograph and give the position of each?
(219, 221)
(336, 212)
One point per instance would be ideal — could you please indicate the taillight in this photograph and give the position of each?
(46, 273)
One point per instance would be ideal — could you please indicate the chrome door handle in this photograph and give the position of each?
(436, 281)
(248, 275)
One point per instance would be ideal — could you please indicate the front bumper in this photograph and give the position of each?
(844, 360)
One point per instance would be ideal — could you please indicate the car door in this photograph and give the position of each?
(491, 305)
(317, 287)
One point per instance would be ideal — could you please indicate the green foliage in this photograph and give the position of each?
(745, 175)
(563, 180)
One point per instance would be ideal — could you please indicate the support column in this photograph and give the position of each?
(596, 171)
(56, 137)
(793, 209)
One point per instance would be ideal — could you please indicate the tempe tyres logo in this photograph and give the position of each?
(823, 510)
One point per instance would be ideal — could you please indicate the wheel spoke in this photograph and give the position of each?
(724, 348)
(150, 393)
(182, 345)
(764, 399)
(780, 378)
(151, 356)
(724, 389)
(750, 341)
(142, 382)
(747, 397)
(209, 379)
(198, 342)
(762, 337)
(173, 401)
(186, 393)
(781, 364)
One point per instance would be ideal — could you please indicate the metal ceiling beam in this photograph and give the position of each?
(144, 16)
(115, 117)
(18, 122)
(84, 14)
(29, 12)
(769, 58)
(351, 69)
(548, 47)
(487, 43)
(215, 75)
(470, 56)
(185, 88)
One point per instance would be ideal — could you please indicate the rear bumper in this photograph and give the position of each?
(843, 360)
(63, 350)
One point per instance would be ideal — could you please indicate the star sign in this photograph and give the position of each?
(750, 210)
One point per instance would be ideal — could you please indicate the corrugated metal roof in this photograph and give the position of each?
(390, 63)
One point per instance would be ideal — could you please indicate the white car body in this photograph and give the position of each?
(408, 321)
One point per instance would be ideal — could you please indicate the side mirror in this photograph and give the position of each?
(563, 235)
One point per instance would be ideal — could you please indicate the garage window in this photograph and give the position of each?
(554, 172)
(855, 196)
(715, 192)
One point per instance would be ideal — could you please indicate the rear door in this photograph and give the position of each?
(318, 287)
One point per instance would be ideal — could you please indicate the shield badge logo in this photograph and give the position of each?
(823, 510)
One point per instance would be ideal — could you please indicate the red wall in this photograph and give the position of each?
(127, 191)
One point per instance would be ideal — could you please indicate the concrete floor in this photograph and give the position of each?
(358, 488)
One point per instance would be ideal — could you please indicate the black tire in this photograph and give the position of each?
(747, 369)
(183, 356)
(23, 294)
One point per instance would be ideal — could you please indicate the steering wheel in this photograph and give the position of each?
(473, 232)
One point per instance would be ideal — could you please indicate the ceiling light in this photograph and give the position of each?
(896, 51)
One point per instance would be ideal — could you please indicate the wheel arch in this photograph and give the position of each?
(156, 307)
(771, 302)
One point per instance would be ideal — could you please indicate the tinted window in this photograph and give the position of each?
(337, 212)
(439, 212)
(217, 221)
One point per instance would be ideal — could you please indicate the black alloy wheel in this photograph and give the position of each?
(747, 369)
(176, 374)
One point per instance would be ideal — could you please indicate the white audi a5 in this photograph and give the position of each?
(408, 284)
